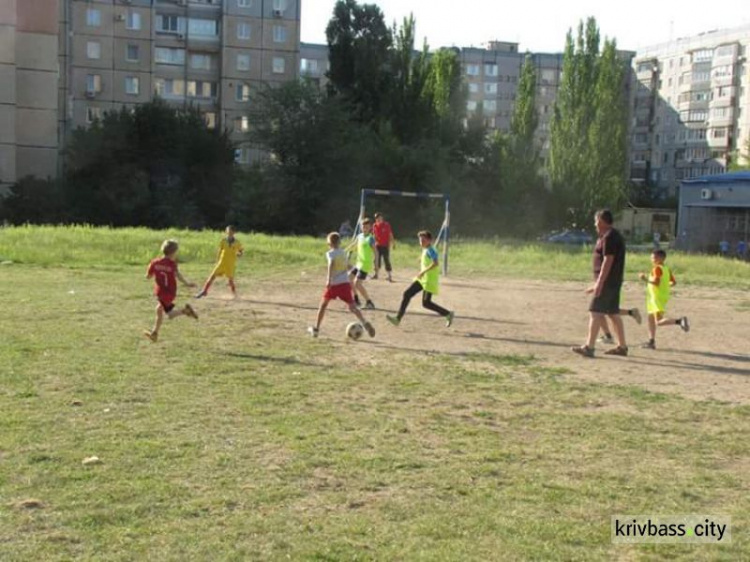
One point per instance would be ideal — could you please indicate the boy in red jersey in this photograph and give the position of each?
(165, 273)
(384, 243)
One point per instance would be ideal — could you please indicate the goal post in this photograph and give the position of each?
(443, 236)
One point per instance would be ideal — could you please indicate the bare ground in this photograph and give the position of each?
(539, 318)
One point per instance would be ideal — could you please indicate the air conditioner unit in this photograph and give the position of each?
(278, 13)
(706, 194)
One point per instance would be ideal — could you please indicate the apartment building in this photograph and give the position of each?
(313, 63)
(690, 108)
(28, 89)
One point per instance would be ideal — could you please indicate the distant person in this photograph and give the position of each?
(365, 243)
(165, 274)
(426, 282)
(229, 250)
(657, 240)
(345, 230)
(338, 286)
(384, 242)
(609, 269)
(724, 248)
(659, 282)
(742, 250)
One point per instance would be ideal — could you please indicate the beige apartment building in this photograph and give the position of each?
(63, 63)
(690, 108)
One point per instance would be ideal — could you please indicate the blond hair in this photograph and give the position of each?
(169, 247)
(334, 239)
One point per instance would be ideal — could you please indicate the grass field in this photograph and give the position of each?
(238, 439)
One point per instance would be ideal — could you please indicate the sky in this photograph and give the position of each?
(541, 25)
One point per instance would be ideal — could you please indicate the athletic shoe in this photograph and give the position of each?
(684, 324)
(188, 310)
(153, 336)
(390, 279)
(369, 305)
(449, 319)
(583, 350)
(356, 300)
(375, 276)
(650, 344)
(619, 350)
(636, 314)
(313, 331)
(202, 293)
(606, 338)
(393, 319)
(370, 329)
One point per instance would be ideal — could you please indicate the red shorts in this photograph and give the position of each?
(341, 291)
(166, 301)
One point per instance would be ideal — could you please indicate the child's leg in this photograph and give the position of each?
(360, 288)
(652, 322)
(322, 312)
(207, 285)
(619, 329)
(604, 327)
(357, 312)
(409, 293)
(429, 305)
(230, 282)
(159, 319)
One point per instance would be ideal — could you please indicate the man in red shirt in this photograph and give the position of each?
(165, 273)
(384, 241)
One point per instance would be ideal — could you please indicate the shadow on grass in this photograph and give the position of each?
(270, 359)
(712, 355)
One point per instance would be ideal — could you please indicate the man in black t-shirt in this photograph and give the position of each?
(609, 269)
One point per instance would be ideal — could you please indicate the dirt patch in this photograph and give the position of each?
(539, 318)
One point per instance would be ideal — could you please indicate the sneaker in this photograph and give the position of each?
(313, 331)
(449, 319)
(650, 344)
(684, 324)
(393, 319)
(369, 305)
(356, 300)
(606, 338)
(370, 329)
(201, 294)
(619, 350)
(188, 310)
(153, 336)
(390, 279)
(583, 350)
(636, 314)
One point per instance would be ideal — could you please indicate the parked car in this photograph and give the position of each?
(575, 237)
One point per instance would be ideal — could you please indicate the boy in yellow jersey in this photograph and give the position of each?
(229, 250)
(338, 286)
(365, 243)
(427, 283)
(659, 283)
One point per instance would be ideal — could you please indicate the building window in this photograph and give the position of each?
(164, 55)
(203, 28)
(490, 105)
(132, 54)
(719, 133)
(93, 83)
(210, 118)
(278, 65)
(199, 89)
(472, 70)
(490, 88)
(703, 55)
(473, 88)
(279, 5)
(242, 93)
(93, 17)
(169, 87)
(132, 85)
(308, 65)
(134, 21)
(93, 114)
(490, 70)
(241, 155)
(279, 34)
(243, 31)
(244, 3)
(471, 105)
(94, 50)
(200, 61)
(242, 124)
(170, 24)
(243, 61)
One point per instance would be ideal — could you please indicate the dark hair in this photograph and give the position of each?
(660, 254)
(425, 234)
(366, 220)
(334, 238)
(605, 215)
(378, 215)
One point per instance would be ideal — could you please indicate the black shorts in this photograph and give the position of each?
(608, 302)
(359, 274)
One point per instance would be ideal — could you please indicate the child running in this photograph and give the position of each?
(164, 271)
(338, 286)
(658, 287)
(365, 243)
(606, 336)
(229, 250)
(427, 282)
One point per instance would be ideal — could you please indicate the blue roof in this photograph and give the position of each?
(729, 177)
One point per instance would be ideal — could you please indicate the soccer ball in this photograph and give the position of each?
(354, 331)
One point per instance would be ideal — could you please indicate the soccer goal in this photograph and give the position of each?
(441, 241)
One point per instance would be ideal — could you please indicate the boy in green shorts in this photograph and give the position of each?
(365, 243)
(658, 285)
(426, 282)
